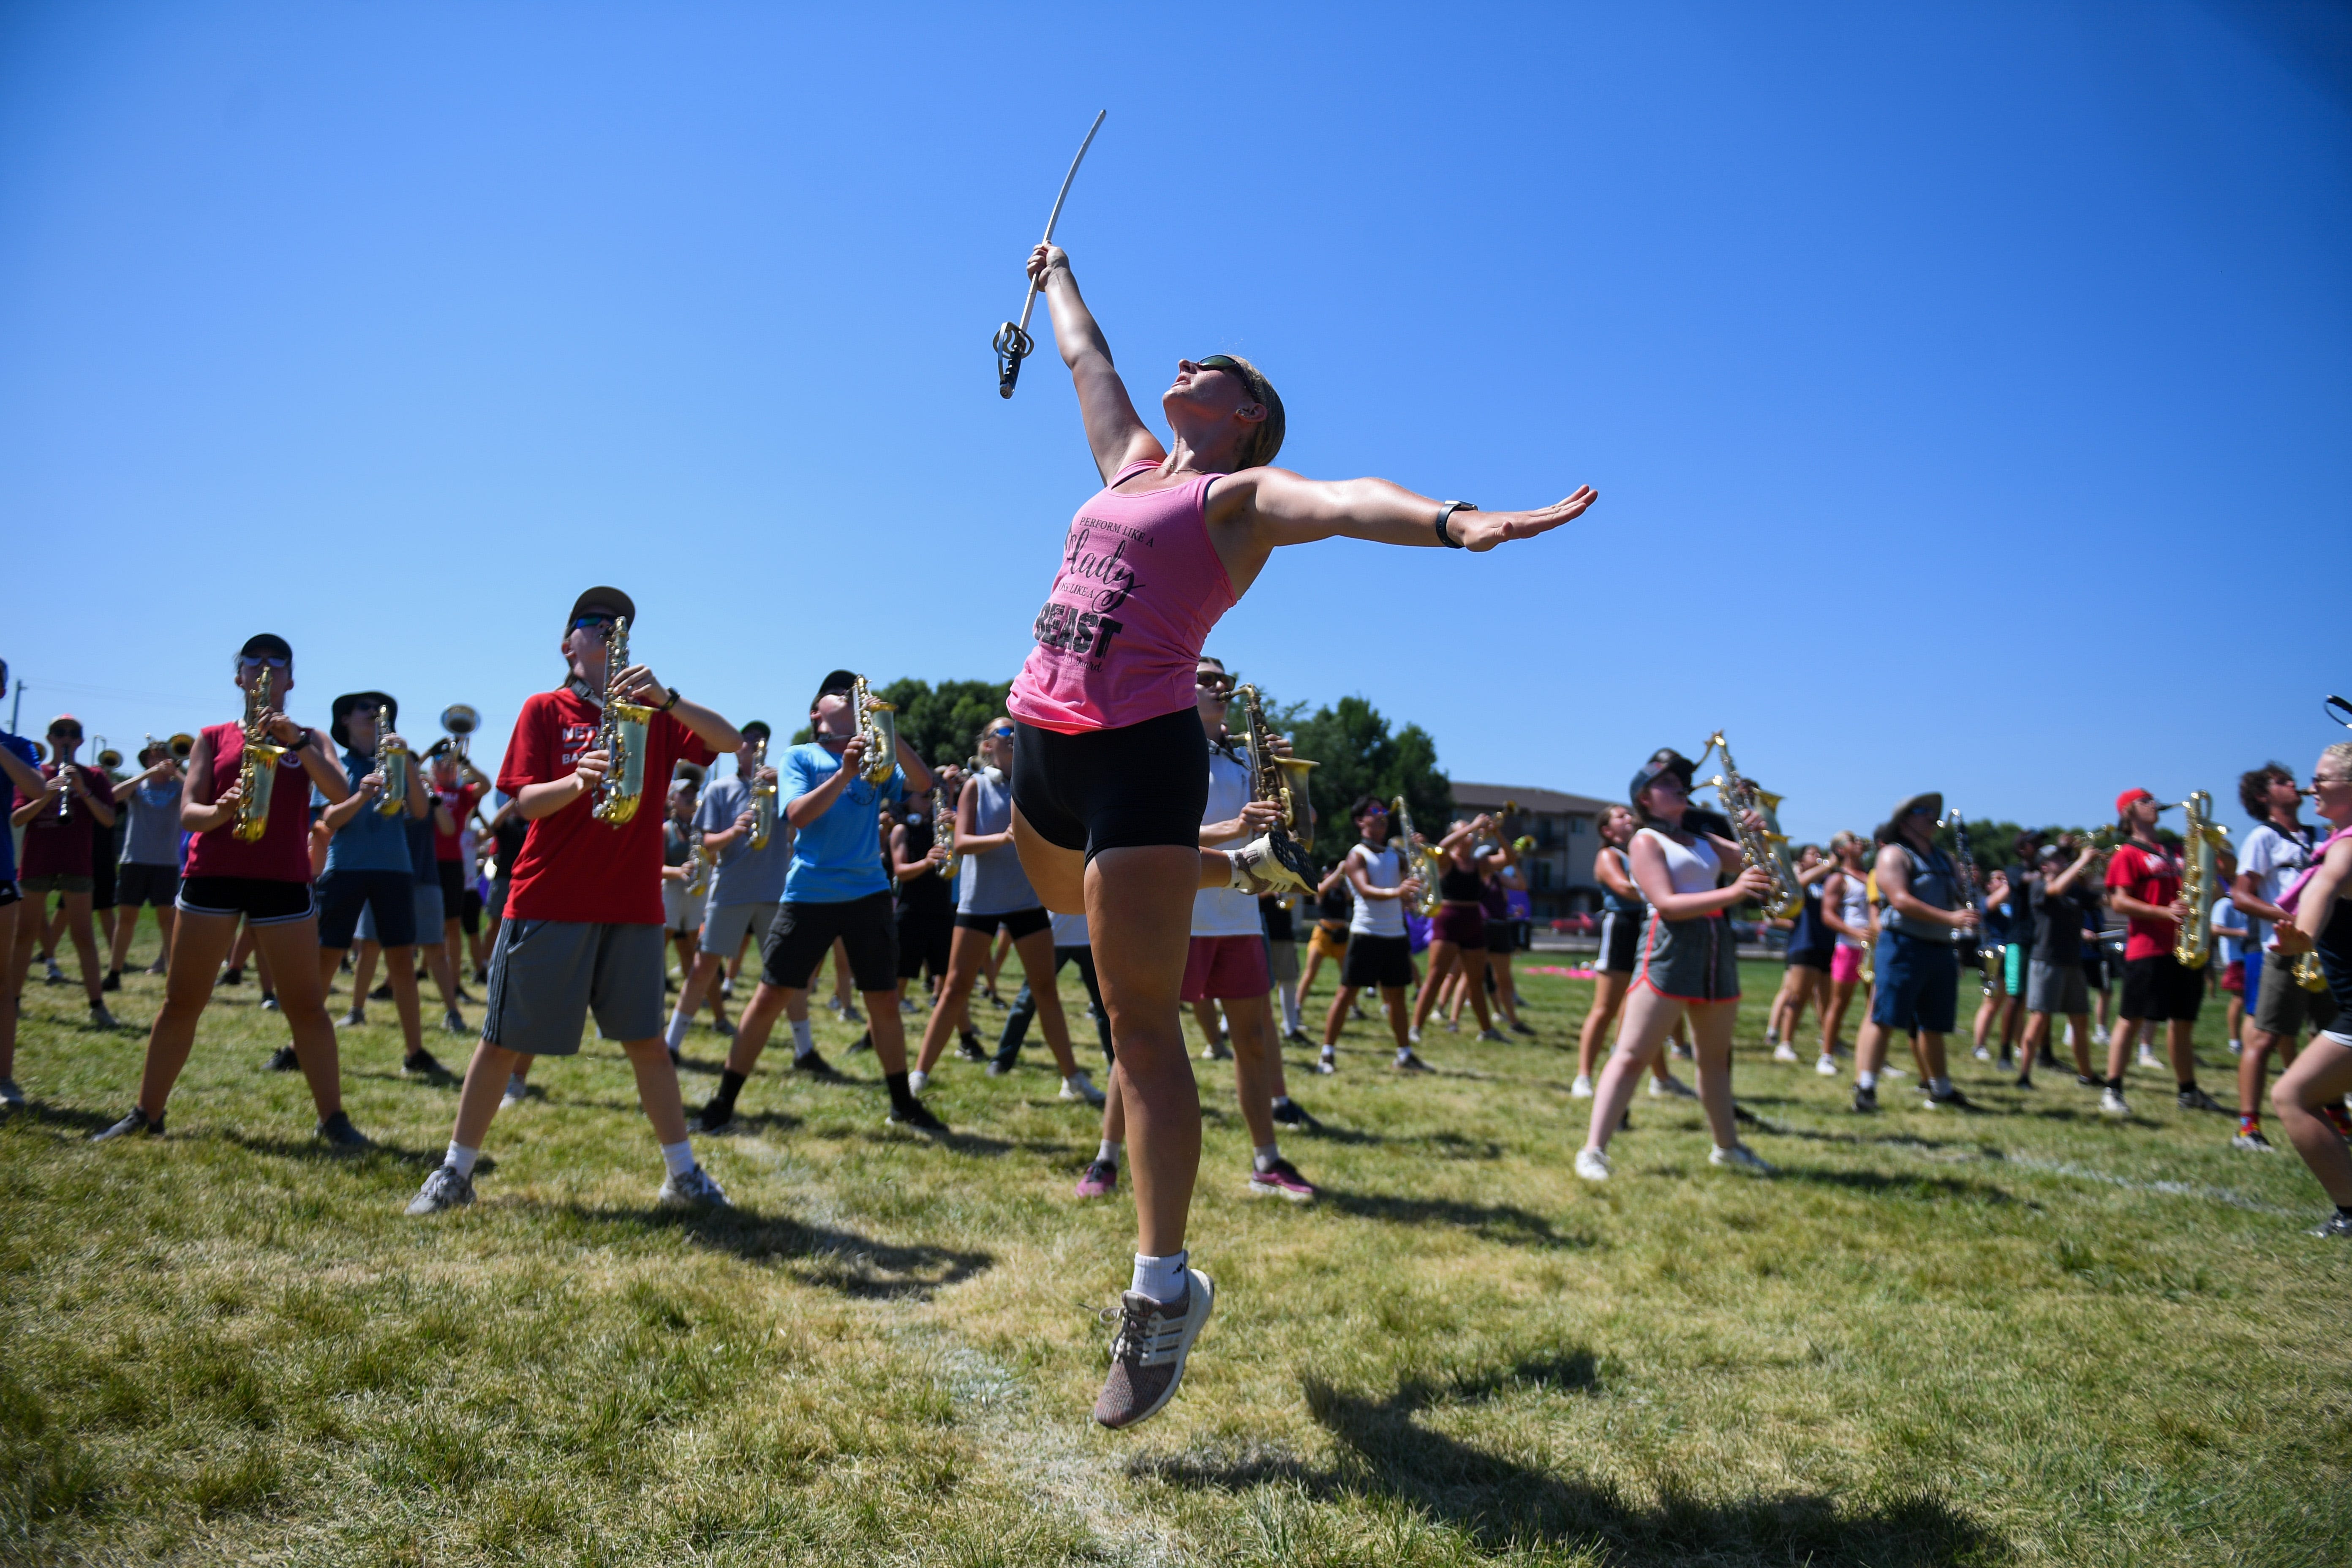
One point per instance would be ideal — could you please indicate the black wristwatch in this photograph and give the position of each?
(1446, 515)
(671, 703)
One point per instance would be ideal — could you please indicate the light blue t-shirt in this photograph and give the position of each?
(745, 874)
(154, 836)
(370, 841)
(838, 857)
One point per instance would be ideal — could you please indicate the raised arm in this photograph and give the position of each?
(1116, 433)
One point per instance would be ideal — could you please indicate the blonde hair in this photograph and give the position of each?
(2339, 751)
(1265, 438)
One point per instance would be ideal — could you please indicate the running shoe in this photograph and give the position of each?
(1407, 1062)
(722, 1029)
(1827, 1067)
(2252, 1140)
(970, 1049)
(1495, 1036)
(2099, 1034)
(1290, 1113)
(1981, 1053)
(2147, 1059)
(1671, 1088)
(726, 986)
(444, 1189)
(1215, 1051)
(112, 982)
(2111, 1103)
(716, 1116)
(354, 1019)
(2024, 1080)
(2338, 1228)
(131, 1126)
(1281, 1180)
(1413, 1037)
(1738, 1157)
(919, 1080)
(833, 1003)
(1100, 1180)
(283, 1060)
(453, 1022)
(864, 1042)
(1581, 1088)
(518, 1090)
(1784, 1053)
(1520, 1027)
(463, 994)
(2235, 1048)
(11, 1097)
(383, 993)
(1593, 1164)
(1452, 1026)
(99, 1019)
(1325, 1065)
(269, 1001)
(55, 976)
(1684, 1053)
(811, 1065)
(1296, 1038)
(2194, 1098)
(338, 1133)
(1865, 1101)
(1078, 1088)
(1000, 1066)
(850, 1015)
(694, 1188)
(2084, 1080)
(1149, 1353)
(424, 1063)
(915, 1118)
(1950, 1099)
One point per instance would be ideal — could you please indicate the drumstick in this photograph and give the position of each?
(1013, 341)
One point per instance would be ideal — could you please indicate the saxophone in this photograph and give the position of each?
(763, 800)
(944, 830)
(1767, 847)
(1271, 780)
(878, 721)
(2192, 943)
(621, 735)
(394, 763)
(1416, 858)
(697, 864)
(256, 773)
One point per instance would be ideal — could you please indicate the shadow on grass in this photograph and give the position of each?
(65, 1117)
(1501, 1504)
(1902, 1185)
(841, 1261)
(1504, 1223)
(319, 1151)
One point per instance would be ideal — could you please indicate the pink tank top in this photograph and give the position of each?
(1119, 639)
(282, 853)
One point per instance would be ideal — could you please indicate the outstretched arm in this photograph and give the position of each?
(1253, 512)
(1116, 433)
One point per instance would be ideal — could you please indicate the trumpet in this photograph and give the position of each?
(763, 799)
(396, 763)
(109, 759)
(621, 735)
(1766, 849)
(1416, 858)
(257, 770)
(878, 721)
(183, 746)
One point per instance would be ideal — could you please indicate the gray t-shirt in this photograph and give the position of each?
(740, 874)
(154, 836)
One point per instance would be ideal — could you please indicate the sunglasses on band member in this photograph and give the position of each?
(1222, 361)
(73, 733)
(256, 661)
(1001, 732)
(592, 623)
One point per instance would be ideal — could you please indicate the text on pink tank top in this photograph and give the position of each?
(1121, 635)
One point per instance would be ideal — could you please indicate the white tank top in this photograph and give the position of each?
(1694, 867)
(1225, 911)
(1853, 903)
(1377, 917)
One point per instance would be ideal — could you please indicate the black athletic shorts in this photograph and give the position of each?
(1135, 787)
(1382, 961)
(804, 933)
(101, 881)
(137, 883)
(469, 914)
(1812, 957)
(1620, 942)
(261, 900)
(390, 894)
(926, 932)
(453, 885)
(1020, 923)
(2160, 987)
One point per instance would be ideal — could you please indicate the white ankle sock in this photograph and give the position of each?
(1162, 1278)
(804, 1042)
(678, 1156)
(1109, 1152)
(1289, 1011)
(1939, 1085)
(461, 1159)
(1264, 1157)
(1281, 1100)
(675, 1035)
(1866, 1080)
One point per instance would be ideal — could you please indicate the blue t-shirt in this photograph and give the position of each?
(31, 758)
(838, 857)
(420, 859)
(154, 836)
(744, 875)
(370, 841)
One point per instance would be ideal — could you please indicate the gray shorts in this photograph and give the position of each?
(1282, 958)
(725, 926)
(1690, 961)
(545, 976)
(2284, 1008)
(429, 917)
(2058, 988)
(681, 910)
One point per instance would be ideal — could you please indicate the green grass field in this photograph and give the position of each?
(2022, 1336)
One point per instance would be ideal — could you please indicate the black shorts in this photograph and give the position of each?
(453, 885)
(1811, 958)
(469, 911)
(1020, 923)
(926, 932)
(10, 894)
(1620, 942)
(1382, 961)
(390, 894)
(2160, 988)
(1139, 787)
(101, 881)
(261, 900)
(137, 883)
(804, 933)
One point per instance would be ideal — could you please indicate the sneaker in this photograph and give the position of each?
(2338, 1228)
(131, 1126)
(2024, 1080)
(463, 994)
(99, 1019)
(1215, 1051)
(1581, 1088)
(998, 1067)
(1684, 1053)
(454, 1023)
(1296, 1038)
(1453, 1027)
(693, 1189)
(722, 1029)
(832, 1005)
(423, 1062)
(1272, 864)
(55, 976)
(907, 1005)
(1281, 1180)
(2147, 1059)
(1100, 1180)
(283, 1060)
(518, 1090)
(850, 1015)
(354, 1019)
(269, 1001)
(2235, 1048)
(11, 1097)
(2111, 1103)
(726, 986)
(2084, 1080)
(2252, 1140)
(1827, 1067)
(1325, 1065)
(112, 982)
(813, 1065)
(1981, 1053)
(1413, 1037)
(864, 1042)
(1409, 1062)
(2195, 1098)
(1593, 1164)
(916, 1118)
(1671, 1088)
(444, 1189)
(337, 1131)
(1784, 1053)
(1738, 1157)
(1950, 1099)
(970, 1049)
(380, 993)
(1521, 1028)
(715, 1117)
(919, 1080)
(1079, 1089)
(2098, 1033)
(1865, 1101)
(1495, 1036)
(1148, 1353)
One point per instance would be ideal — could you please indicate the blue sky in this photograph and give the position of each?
(1967, 387)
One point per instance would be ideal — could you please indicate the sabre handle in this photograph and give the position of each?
(1012, 345)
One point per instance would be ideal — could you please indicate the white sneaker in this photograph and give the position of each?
(917, 1080)
(1413, 1037)
(2099, 1034)
(1079, 1086)
(1785, 1054)
(695, 1189)
(11, 1097)
(1738, 1157)
(1593, 1164)
(1581, 1088)
(2070, 1035)
(1826, 1066)
(1982, 1054)
(516, 1090)
(2147, 1059)
(2111, 1103)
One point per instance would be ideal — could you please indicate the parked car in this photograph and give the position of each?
(1576, 925)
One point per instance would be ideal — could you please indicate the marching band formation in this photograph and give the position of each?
(1122, 816)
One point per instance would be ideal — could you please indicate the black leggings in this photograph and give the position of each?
(1024, 1006)
(1136, 787)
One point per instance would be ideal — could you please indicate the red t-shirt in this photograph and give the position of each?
(573, 866)
(460, 802)
(60, 845)
(2152, 877)
(282, 853)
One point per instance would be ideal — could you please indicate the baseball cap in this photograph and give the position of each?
(1666, 759)
(601, 602)
(266, 645)
(2130, 798)
(757, 730)
(840, 680)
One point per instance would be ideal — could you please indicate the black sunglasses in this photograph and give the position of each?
(66, 732)
(592, 623)
(255, 661)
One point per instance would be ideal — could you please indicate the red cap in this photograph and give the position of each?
(2130, 798)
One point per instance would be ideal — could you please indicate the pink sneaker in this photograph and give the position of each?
(1100, 1181)
(1282, 1180)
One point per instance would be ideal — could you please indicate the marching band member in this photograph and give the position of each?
(2277, 853)
(836, 891)
(1111, 768)
(1459, 929)
(368, 868)
(746, 886)
(1328, 940)
(2054, 982)
(926, 901)
(1379, 953)
(1687, 965)
(149, 876)
(682, 905)
(2309, 1096)
(1918, 983)
(1845, 913)
(21, 764)
(59, 822)
(584, 926)
(1621, 910)
(264, 882)
(1805, 974)
(2144, 883)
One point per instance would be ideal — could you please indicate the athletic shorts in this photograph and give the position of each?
(1218, 967)
(1282, 961)
(137, 883)
(1845, 965)
(2234, 979)
(2159, 988)
(1464, 925)
(2013, 960)
(1382, 961)
(451, 877)
(2283, 1008)
(1918, 985)
(1620, 942)
(1325, 942)
(58, 882)
(1020, 923)
(2056, 988)
(546, 976)
(426, 900)
(1690, 961)
(101, 883)
(1137, 787)
(389, 896)
(804, 933)
(724, 926)
(469, 909)
(261, 900)
(1816, 958)
(926, 937)
(681, 910)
